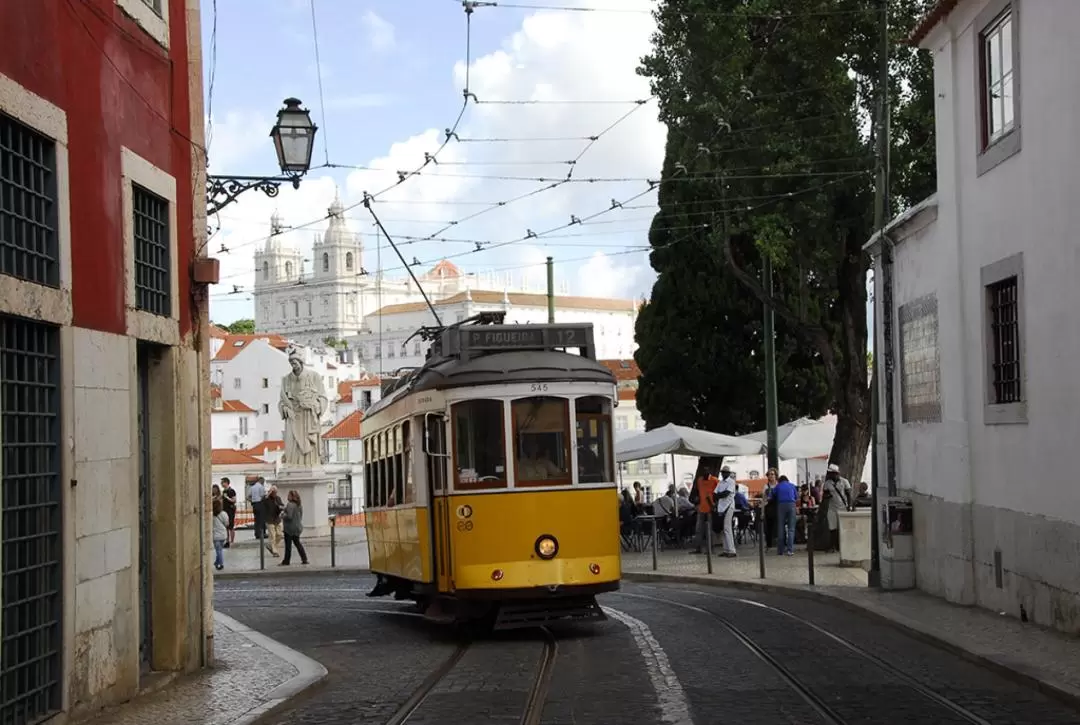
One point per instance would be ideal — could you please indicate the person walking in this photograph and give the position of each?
(219, 533)
(228, 505)
(787, 497)
(702, 497)
(256, 494)
(724, 495)
(293, 524)
(273, 507)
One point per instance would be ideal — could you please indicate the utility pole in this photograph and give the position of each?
(771, 413)
(881, 219)
(551, 290)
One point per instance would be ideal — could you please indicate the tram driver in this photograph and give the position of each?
(536, 463)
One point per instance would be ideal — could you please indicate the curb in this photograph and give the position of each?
(308, 672)
(289, 571)
(1056, 690)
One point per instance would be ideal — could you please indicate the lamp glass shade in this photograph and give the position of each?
(294, 138)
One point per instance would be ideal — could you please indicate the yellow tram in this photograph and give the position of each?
(489, 476)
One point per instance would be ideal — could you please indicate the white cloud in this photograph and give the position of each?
(380, 32)
(553, 55)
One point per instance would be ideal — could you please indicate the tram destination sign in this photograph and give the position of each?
(526, 337)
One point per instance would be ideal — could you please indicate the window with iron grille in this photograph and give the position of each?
(152, 259)
(1005, 352)
(30, 533)
(29, 244)
(920, 369)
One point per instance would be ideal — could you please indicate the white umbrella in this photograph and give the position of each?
(679, 440)
(802, 438)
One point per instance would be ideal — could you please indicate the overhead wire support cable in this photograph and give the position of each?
(318, 75)
(367, 205)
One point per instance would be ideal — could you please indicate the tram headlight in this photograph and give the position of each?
(547, 547)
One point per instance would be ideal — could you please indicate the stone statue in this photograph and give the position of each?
(302, 404)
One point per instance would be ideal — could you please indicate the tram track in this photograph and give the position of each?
(827, 712)
(533, 710)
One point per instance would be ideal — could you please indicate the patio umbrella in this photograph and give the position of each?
(802, 438)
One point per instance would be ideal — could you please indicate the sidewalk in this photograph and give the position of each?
(252, 674)
(350, 544)
(1040, 657)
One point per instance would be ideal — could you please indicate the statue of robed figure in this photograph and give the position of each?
(302, 405)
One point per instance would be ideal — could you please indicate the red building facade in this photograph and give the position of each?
(104, 413)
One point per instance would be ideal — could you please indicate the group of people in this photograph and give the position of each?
(275, 520)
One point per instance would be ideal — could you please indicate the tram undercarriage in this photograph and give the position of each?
(499, 609)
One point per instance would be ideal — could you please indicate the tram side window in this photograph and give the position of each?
(380, 468)
(368, 499)
(407, 463)
(541, 441)
(479, 445)
(435, 435)
(594, 450)
(397, 491)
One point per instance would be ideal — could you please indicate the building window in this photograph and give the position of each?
(150, 232)
(1003, 283)
(325, 262)
(266, 407)
(151, 15)
(266, 270)
(365, 399)
(288, 270)
(266, 382)
(154, 5)
(243, 426)
(32, 535)
(295, 309)
(416, 349)
(342, 452)
(236, 383)
(390, 350)
(348, 261)
(997, 66)
(29, 244)
(920, 371)
(1005, 340)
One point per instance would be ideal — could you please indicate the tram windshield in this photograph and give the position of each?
(594, 451)
(480, 454)
(541, 441)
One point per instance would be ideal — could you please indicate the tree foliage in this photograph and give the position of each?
(768, 105)
(242, 327)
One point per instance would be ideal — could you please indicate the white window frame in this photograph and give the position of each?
(141, 324)
(339, 448)
(156, 26)
(20, 297)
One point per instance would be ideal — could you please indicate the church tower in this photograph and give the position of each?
(338, 252)
(278, 265)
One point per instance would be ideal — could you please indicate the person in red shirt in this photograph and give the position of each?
(704, 487)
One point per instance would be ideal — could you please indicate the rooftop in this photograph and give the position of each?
(232, 406)
(266, 447)
(235, 344)
(233, 457)
(623, 370)
(348, 428)
(517, 299)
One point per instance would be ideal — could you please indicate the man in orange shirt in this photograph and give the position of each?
(705, 485)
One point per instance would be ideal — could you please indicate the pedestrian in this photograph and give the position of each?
(256, 494)
(702, 497)
(219, 533)
(293, 524)
(833, 502)
(273, 507)
(787, 497)
(724, 495)
(768, 507)
(228, 505)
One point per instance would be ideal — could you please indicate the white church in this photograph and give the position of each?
(333, 295)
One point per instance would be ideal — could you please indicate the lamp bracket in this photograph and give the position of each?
(223, 190)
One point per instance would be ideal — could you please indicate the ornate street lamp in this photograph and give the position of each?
(294, 140)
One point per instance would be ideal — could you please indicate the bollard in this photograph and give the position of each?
(654, 543)
(810, 544)
(761, 541)
(708, 541)
(333, 540)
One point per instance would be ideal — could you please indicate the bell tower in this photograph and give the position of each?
(338, 252)
(277, 264)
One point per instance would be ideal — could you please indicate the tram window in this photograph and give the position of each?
(397, 480)
(541, 441)
(594, 452)
(368, 500)
(480, 460)
(407, 463)
(435, 435)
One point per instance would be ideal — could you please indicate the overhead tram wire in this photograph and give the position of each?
(318, 75)
(694, 13)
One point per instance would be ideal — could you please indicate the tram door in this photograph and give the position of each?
(438, 509)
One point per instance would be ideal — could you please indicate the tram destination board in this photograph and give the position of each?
(526, 337)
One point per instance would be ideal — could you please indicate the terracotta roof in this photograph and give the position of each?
(935, 15)
(443, 269)
(233, 457)
(218, 332)
(233, 406)
(627, 393)
(234, 344)
(266, 447)
(345, 387)
(519, 299)
(348, 428)
(215, 391)
(623, 370)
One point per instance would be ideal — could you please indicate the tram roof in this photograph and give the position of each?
(485, 354)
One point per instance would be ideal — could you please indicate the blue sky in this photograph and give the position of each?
(392, 75)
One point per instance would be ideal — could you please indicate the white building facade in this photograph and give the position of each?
(977, 303)
(330, 294)
(388, 341)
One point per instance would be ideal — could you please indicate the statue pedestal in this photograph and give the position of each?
(313, 486)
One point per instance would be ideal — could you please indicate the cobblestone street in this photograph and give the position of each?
(668, 653)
